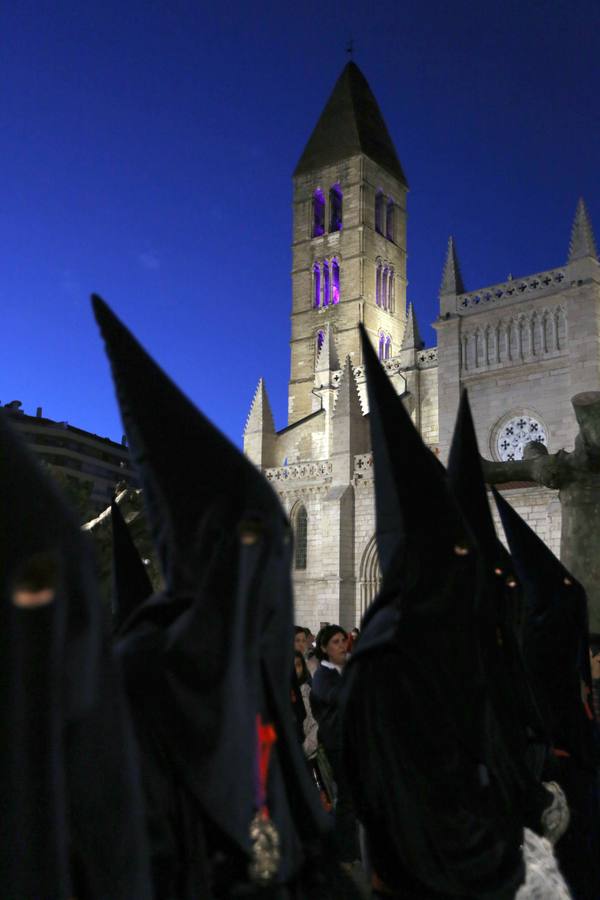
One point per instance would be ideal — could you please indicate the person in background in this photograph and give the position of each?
(300, 640)
(331, 650)
(310, 739)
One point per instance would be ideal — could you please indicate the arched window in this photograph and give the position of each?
(378, 284)
(335, 208)
(335, 281)
(300, 526)
(318, 205)
(391, 291)
(379, 201)
(319, 343)
(390, 220)
(388, 347)
(381, 345)
(316, 284)
(384, 288)
(326, 284)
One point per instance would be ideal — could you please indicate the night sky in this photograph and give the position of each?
(147, 155)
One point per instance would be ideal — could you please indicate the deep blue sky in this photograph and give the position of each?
(147, 155)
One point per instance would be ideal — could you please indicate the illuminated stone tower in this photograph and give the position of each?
(349, 238)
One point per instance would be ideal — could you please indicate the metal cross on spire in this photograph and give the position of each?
(350, 48)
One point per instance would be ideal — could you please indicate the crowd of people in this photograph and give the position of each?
(195, 746)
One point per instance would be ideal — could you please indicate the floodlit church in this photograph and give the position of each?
(523, 348)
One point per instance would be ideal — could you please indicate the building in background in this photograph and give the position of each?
(523, 348)
(91, 465)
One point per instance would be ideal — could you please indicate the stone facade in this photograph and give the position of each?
(523, 348)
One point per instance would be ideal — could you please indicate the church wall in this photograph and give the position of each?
(540, 507)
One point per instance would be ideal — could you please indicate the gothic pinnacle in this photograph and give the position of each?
(260, 417)
(347, 401)
(328, 359)
(452, 282)
(412, 339)
(582, 242)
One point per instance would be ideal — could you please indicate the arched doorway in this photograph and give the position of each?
(369, 576)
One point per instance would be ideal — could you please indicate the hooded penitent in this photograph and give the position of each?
(72, 820)
(516, 722)
(436, 812)
(214, 650)
(555, 648)
(131, 584)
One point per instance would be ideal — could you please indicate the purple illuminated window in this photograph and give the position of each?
(335, 281)
(378, 284)
(381, 345)
(335, 208)
(379, 201)
(384, 288)
(391, 292)
(316, 284)
(388, 347)
(319, 342)
(390, 220)
(326, 284)
(318, 227)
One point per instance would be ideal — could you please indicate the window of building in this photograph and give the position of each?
(390, 220)
(335, 281)
(378, 271)
(318, 204)
(316, 284)
(391, 290)
(300, 525)
(335, 208)
(326, 284)
(381, 345)
(384, 287)
(388, 347)
(379, 201)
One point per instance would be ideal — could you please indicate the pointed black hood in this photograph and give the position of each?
(417, 519)
(38, 528)
(62, 706)
(222, 651)
(555, 637)
(131, 584)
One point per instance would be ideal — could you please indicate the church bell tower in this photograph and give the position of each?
(349, 238)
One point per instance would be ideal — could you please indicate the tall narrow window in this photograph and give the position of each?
(335, 281)
(391, 291)
(316, 284)
(390, 222)
(379, 201)
(378, 272)
(300, 522)
(381, 345)
(335, 208)
(326, 284)
(318, 227)
(384, 288)
(319, 343)
(388, 347)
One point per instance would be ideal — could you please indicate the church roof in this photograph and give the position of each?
(351, 123)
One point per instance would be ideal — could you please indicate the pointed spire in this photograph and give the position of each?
(347, 403)
(260, 417)
(582, 242)
(350, 124)
(412, 339)
(131, 584)
(328, 359)
(452, 282)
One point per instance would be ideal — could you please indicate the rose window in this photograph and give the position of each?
(515, 434)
